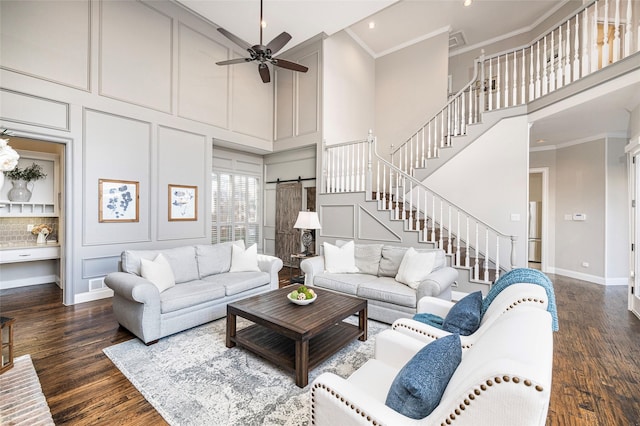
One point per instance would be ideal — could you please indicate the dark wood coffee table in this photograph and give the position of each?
(296, 337)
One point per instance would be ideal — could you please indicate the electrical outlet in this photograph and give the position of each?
(29, 228)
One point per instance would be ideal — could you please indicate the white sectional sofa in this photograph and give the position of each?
(374, 279)
(205, 281)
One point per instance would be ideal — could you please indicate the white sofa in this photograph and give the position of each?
(504, 379)
(377, 266)
(203, 287)
(512, 297)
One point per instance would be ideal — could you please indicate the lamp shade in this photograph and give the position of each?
(307, 220)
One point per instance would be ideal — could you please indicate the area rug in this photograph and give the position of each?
(192, 378)
(21, 399)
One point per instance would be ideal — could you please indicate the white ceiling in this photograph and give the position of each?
(399, 23)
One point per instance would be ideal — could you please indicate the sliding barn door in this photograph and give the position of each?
(288, 204)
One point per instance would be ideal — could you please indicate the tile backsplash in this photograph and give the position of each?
(14, 229)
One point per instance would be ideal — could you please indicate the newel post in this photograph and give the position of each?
(369, 179)
(514, 257)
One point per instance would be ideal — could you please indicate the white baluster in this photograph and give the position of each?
(605, 32)
(410, 210)
(567, 55)
(429, 148)
(616, 33)
(552, 73)
(410, 171)
(628, 32)
(416, 227)
(467, 251)
(585, 43)
(423, 160)
(523, 88)
(545, 82)
(486, 255)
(440, 243)
(384, 186)
(595, 63)
(476, 267)
(449, 226)
(576, 50)
(378, 193)
(514, 92)
(442, 129)
(498, 83)
(532, 86)
(538, 82)
(489, 86)
(424, 224)
(506, 80)
(497, 258)
(397, 209)
(463, 120)
(433, 220)
(458, 238)
(448, 125)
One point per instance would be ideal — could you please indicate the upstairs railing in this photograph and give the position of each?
(357, 167)
(598, 35)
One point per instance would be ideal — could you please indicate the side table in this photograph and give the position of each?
(299, 279)
(6, 331)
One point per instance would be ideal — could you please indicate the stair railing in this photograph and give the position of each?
(577, 47)
(452, 227)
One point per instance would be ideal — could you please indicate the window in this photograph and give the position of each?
(235, 208)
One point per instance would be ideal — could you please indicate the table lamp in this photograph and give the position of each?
(307, 221)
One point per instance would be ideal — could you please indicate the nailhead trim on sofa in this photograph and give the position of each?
(452, 416)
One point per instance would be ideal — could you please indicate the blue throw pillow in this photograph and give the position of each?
(464, 317)
(417, 389)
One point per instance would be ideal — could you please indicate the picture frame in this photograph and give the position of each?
(182, 202)
(118, 201)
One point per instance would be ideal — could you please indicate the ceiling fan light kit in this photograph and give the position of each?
(261, 53)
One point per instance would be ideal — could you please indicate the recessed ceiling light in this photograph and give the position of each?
(540, 141)
(263, 23)
(468, 2)
(372, 25)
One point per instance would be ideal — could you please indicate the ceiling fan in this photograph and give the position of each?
(262, 53)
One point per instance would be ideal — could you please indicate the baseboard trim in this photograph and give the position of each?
(590, 278)
(25, 282)
(90, 296)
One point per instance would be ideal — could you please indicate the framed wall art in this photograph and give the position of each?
(118, 201)
(183, 202)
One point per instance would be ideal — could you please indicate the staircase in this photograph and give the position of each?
(390, 193)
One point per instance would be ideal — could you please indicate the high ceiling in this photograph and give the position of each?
(399, 23)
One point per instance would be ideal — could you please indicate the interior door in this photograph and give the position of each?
(634, 283)
(288, 205)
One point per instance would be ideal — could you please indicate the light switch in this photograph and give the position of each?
(579, 217)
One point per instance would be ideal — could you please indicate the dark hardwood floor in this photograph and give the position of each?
(596, 377)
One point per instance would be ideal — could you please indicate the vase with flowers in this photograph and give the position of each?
(42, 231)
(20, 178)
(8, 157)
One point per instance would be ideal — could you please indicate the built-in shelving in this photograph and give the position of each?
(21, 209)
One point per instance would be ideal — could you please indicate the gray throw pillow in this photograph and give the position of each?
(417, 389)
(368, 258)
(464, 317)
(391, 260)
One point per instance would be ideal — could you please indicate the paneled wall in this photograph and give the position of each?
(131, 88)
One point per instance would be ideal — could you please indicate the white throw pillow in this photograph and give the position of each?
(339, 260)
(244, 260)
(158, 271)
(415, 267)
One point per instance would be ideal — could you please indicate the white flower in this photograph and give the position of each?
(8, 156)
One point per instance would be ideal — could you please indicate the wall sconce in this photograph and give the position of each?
(307, 221)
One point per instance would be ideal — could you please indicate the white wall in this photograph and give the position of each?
(349, 90)
(489, 179)
(131, 88)
(589, 178)
(411, 86)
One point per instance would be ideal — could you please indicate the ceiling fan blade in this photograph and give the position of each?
(234, 38)
(234, 61)
(263, 69)
(289, 65)
(278, 43)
